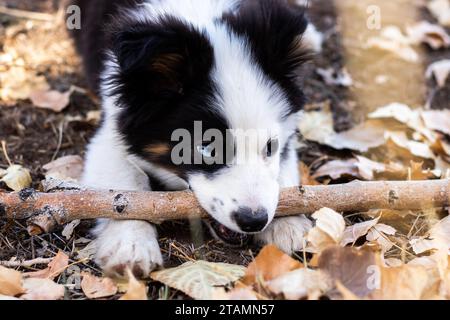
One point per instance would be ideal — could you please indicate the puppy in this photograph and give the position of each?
(167, 69)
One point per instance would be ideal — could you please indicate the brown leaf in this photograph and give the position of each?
(51, 99)
(269, 264)
(57, 266)
(10, 282)
(328, 231)
(300, 283)
(440, 10)
(323, 119)
(351, 267)
(42, 289)
(65, 168)
(433, 35)
(95, 288)
(358, 230)
(401, 283)
(338, 168)
(136, 290)
(305, 176)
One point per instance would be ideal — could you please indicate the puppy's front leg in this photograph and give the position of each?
(287, 233)
(120, 244)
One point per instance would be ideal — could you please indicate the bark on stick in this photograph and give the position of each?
(46, 210)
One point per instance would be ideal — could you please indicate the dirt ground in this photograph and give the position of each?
(35, 137)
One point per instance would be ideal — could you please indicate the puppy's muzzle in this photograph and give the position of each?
(250, 220)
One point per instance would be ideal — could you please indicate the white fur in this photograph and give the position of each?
(249, 100)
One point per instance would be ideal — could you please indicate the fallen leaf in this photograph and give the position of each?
(305, 176)
(57, 266)
(392, 39)
(401, 283)
(338, 168)
(361, 138)
(368, 168)
(136, 290)
(66, 168)
(356, 231)
(263, 267)
(401, 141)
(300, 283)
(199, 279)
(328, 231)
(437, 120)
(88, 252)
(379, 234)
(440, 10)
(440, 70)
(42, 289)
(51, 99)
(433, 35)
(310, 121)
(95, 288)
(352, 267)
(10, 282)
(69, 229)
(17, 178)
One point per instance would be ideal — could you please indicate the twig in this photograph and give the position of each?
(21, 14)
(44, 211)
(25, 263)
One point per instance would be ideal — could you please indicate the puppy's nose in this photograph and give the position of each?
(249, 220)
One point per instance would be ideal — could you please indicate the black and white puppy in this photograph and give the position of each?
(165, 65)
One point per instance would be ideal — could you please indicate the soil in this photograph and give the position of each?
(34, 137)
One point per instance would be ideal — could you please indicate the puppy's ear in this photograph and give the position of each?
(165, 56)
(274, 29)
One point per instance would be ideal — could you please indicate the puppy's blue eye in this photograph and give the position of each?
(206, 151)
(272, 148)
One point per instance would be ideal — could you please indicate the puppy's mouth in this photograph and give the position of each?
(229, 237)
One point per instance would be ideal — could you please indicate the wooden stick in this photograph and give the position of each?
(46, 210)
(30, 15)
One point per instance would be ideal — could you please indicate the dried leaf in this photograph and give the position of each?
(379, 234)
(328, 231)
(440, 70)
(42, 289)
(400, 140)
(69, 168)
(433, 35)
(69, 229)
(401, 283)
(10, 282)
(136, 290)
(57, 266)
(300, 283)
(361, 138)
(17, 83)
(17, 178)
(392, 39)
(352, 267)
(310, 121)
(263, 267)
(95, 288)
(306, 177)
(338, 168)
(437, 120)
(51, 99)
(440, 10)
(199, 279)
(358, 230)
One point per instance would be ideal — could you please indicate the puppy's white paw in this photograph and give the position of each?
(286, 233)
(127, 244)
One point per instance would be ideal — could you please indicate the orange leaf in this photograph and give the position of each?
(269, 264)
(57, 266)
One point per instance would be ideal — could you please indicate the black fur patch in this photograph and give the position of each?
(163, 84)
(274, 29)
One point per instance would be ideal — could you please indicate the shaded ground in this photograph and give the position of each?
(35, 137)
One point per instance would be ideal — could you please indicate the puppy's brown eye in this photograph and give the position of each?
(272, 148)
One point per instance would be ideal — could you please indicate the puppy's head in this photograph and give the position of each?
(214, 104)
